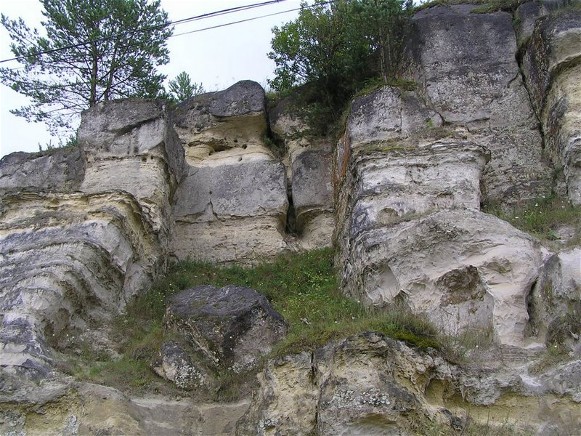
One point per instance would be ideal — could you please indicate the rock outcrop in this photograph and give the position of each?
(494, 118)
(235, 189)
(60, 170)
(370, 384)
(228, 329)
(552, 67)
(466, 69)
(71, 260)
(309, 163)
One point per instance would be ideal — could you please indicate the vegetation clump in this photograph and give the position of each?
(544, 218)
(333, 49)
(301, 287)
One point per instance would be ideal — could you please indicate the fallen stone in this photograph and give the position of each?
(230, 328)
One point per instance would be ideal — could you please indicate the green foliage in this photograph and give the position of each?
(335, 47)
(302, 287)
(182, 88)
(91, 51)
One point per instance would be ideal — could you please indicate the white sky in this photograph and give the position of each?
(217, 58)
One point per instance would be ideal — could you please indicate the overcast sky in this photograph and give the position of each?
(217, 58)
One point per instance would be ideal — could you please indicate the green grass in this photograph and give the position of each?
(542, 217)
(301, 287)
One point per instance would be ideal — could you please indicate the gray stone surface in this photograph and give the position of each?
(57, 170)
(395, 184)
(312, 194)
(552, 67)
(465, 66)
(174, 364)
(129, 145)
(225, 123)
(66, 261)
(251, 189)
(555, 302)
(231, 212)
(479, 279)
(229, 328)
(388, 113)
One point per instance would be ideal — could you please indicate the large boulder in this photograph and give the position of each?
(466, 70)
(553, 70)
(226, 329)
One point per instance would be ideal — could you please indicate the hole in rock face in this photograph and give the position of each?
(244, 146)
(382, 285)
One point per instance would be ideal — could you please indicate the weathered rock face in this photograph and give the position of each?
(70, 260)
(465, 65)
(230, 123)
(312, 195)
(82, 408)
(232, 212)
(479, 280)
(310, 177)
(233, 203)
(129, 145)
(229, 328)
(555, 301)
(552, 63)
(57, 170)
(369, 384)
(67, 262)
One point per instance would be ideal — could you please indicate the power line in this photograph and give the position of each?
(150, 28)
(236, 22)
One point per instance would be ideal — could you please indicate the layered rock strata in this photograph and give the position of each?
(465, 67)
(71, 260)
(232, 204)
(370, 384)
(68, 262)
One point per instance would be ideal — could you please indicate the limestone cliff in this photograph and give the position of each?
(495, 119)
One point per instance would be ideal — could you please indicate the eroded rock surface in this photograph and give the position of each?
(229, 328)
(465, 66)
(370, 384)
(67, 262)
(56, 170)
(130, 145)
(232, 204)
(552, 67)
(309, 168)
